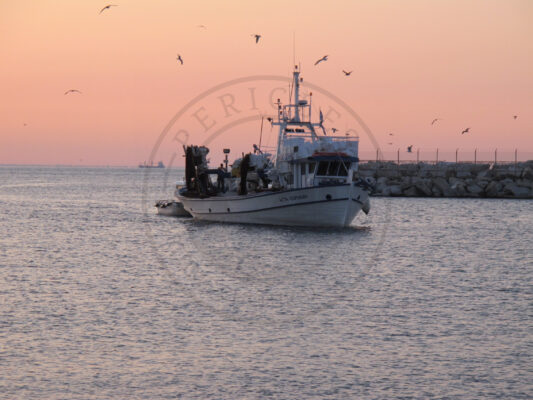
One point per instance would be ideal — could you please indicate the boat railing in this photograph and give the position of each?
(301, 133)
(292, 134)
(341, 138)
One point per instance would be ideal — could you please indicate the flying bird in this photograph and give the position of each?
(465, 131)
(72, 91)
(390, 143)
(325, 58)
(179, 59)
(257, 37)
(107, 7)
(201, 26)
(435, 120)
(515, 116)
(391, 134)
(334, 130)
(347, 73)
(410, 149)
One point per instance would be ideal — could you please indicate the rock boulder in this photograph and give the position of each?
(474, 190)
(395, 190)
(423, 188)
(517, 191)
(411, 192)
(443, 187)
(527, 173)
(493, 189)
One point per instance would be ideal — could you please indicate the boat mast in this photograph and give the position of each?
(290, 114)
(296, 75)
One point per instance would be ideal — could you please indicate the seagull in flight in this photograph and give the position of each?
(410, 149)
(390, 143)
(347, 73)
(391, 134)
(515, 116)
(179, 59)
(465, 131)
(334, 130)
(257, 37)
(201, 26)
(325, 58)
(72, 91)
(107, 7)
(435, 120)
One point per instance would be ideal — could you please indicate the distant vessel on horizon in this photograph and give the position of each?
(151, 165)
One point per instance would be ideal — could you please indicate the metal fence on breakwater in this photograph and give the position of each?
(472, 156)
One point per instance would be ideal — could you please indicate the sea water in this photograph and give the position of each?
(103, 298)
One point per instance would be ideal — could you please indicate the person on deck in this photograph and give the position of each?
(220, 178)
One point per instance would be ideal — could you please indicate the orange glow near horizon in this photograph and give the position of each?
(468, 63)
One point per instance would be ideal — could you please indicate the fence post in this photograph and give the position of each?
(456, 155)
(377, 155)
(495, 156)
(398, 157)
(437, 156)
(418, 156)
(475, 156)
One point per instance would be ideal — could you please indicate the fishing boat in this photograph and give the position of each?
(312, 180)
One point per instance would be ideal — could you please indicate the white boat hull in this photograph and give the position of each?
(320, 206)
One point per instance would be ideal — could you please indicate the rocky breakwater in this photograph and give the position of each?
(450, 179)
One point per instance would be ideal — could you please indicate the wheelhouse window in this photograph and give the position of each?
(333, 168)
(322, 168)
(311, 168)
(343, 169)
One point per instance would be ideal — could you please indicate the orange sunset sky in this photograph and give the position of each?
(469, 63)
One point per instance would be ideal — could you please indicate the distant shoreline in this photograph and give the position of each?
(85, 166)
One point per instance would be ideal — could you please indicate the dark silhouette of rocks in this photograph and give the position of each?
(447, 179)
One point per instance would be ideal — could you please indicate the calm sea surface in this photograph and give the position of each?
(423, 298)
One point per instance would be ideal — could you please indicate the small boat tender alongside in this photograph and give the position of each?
(171, 208)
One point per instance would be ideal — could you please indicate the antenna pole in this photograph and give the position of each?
(296, 86)
(293, 48)
(261, 134)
